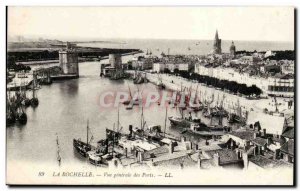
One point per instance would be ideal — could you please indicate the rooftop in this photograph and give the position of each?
(289, 133)
(226, 156)
(244, 134)
(267, 163)
(288, 147)
(273, 124)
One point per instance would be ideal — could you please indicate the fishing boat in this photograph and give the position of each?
(236, 115)
(196, 106)
(219, 112)
(204, 130)
(104, 151)
(21, 116)
(183, 122)
(83, 147)
(10, 111)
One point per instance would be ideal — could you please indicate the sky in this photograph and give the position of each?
(232, 23)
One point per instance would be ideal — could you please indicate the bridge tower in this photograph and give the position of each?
(68, 61)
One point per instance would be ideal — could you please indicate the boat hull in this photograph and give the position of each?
(81, 147)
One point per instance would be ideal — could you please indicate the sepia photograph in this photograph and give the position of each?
(150, 96)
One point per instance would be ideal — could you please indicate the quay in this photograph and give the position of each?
(175, 83)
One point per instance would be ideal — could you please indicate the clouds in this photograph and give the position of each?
(244, 23)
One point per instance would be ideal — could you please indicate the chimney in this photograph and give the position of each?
(126, 152)
(264, 133)
(206, 142)
(130, 131)
(268, 141)
(239, 153)
(171, 147)
(276, 153)
(199, 159)
(251, 126)
(137, 155)
(196, 146)
(245, 160)
(254, 135)
(216, 159)
(232, 144)
(183, 139)
(140, 156)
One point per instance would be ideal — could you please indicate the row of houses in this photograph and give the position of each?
(279, 84)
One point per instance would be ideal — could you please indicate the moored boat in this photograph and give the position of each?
(83, 147)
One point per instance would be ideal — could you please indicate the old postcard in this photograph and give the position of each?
(150, 96)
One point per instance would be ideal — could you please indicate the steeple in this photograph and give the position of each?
(217, 44)
(216, 36)
(232, 49)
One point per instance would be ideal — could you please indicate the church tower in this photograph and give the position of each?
(232, 49)
(217, 44)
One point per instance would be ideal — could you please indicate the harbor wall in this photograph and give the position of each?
(230, 102)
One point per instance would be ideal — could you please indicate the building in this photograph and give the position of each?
(217, 44)
(287, 66)
(158, 67)
(115, 60)
(114, 65)
(287, 151)
(278, 85)
(68, 61)
(184, 66)
(281, 85)
(273, 125)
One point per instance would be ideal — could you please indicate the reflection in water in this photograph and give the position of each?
(69, 88)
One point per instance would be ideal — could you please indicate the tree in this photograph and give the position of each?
(176, 70)
(255, 90)
(167, 71)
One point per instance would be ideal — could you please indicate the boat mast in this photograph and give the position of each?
(87, 132)
(196, 95)
(129, 92)
(142, 119)
(166, 121)
(118, 121)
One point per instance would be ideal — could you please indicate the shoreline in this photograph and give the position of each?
(229, 100)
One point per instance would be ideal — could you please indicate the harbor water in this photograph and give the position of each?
(63, 111)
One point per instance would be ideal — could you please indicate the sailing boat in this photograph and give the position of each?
(34, 100)
(130, 98)
(236, 117)
(10, 110)
(101, 155)
(21, 115)
(83, 147)
(195, 106)
(133, 100)
(183, 122)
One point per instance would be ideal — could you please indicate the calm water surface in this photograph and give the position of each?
(64, 109)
